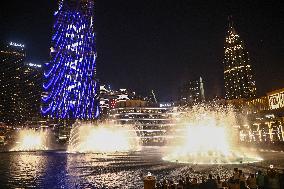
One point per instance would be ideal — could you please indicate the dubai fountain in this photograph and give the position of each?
(31, 140)
(208, 136)
(102, 138)
(109, 155)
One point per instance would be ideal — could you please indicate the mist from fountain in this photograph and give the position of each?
(103, 138)
(31, 140)
(208, 137)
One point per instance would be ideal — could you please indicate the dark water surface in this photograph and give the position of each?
(57, 169)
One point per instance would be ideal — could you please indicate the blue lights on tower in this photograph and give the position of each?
(70, 88)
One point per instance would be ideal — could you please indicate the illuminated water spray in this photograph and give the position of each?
(207, 137)
(88, 138)
(31, 140)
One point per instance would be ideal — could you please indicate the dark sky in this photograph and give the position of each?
(158, 44)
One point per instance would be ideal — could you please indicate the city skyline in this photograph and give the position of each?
(141, 94)
(162, 44)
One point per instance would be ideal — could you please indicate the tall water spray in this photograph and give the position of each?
(31, 140)
(208, 136)
(89, 138)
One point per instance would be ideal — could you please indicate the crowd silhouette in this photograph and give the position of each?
(271, 179)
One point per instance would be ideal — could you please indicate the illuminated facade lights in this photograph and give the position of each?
(71, 89)
(192, 92)
(16, 44)
(19, 86)
(238, 75)
(34, 65)
(276, 99)
(154, 125)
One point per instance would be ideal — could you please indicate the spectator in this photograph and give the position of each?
(171, 185)
(273, 180)
(187, 183)
(180, 184)
(225, 184)
(236, 174)
(234, 181)
(251, 182)
(165, 184)
(211, 183)
(194, 184)
(219, 183)
(158, 185)
(281, 179)
(260, 180)
(203, 184)
(242, 180)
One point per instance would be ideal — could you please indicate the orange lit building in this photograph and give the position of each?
(265, 117)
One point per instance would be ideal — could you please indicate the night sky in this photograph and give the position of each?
(158, 44)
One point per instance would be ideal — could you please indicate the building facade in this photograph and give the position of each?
(154, 125)
(262, 119)
(192, 92)
(20, 84)
(111, 98)
(70, 87)
(238, 74)
(276, 99)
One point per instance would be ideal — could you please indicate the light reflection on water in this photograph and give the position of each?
(62, 170)
(27, 168)
(33, 170)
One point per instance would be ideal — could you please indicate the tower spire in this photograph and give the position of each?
(230, 21)
(231, 24)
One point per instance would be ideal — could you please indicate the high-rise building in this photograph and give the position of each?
(154, 125)
(238, 75)
(12, 62)
(19, 86)
(32, 89)
(70, 88)
(192, 92)
(110, 99)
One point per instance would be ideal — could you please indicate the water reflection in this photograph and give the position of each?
(34, 170)
(81, 168)
(26, 169)
(63, 170)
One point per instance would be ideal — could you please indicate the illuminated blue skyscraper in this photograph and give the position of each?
(71, 89)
